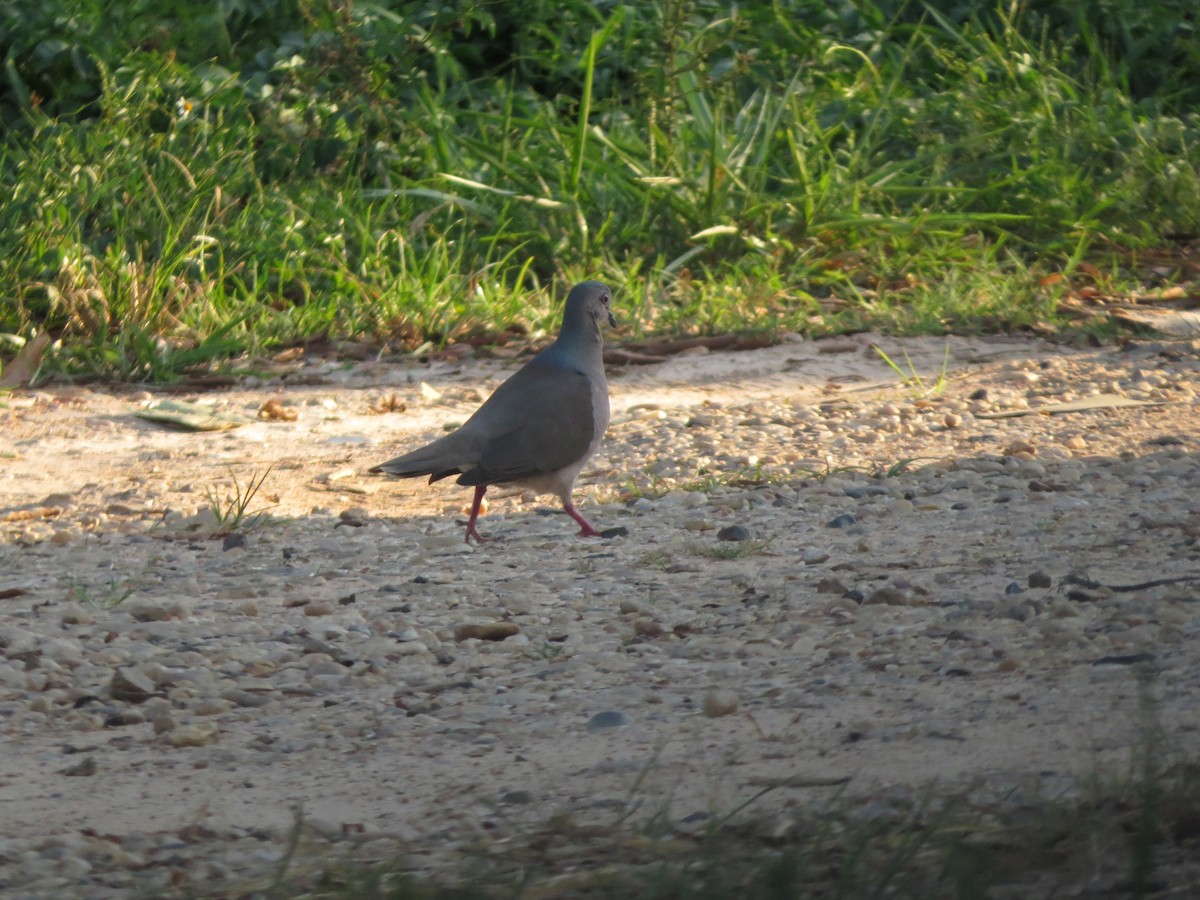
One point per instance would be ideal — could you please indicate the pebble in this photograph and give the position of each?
(719, 703)
(1039, 580)
(734, 533)
(193, 735)
(233, 542)
(146, 610)
(490, 631)
(319, 609)
(131, 685)
(858, 491)
(609, 719)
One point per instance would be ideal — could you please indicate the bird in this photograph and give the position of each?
(539, 428)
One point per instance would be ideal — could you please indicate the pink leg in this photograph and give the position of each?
(472, 531)
(587, 530)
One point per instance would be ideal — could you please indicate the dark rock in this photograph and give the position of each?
(233, 541)
(610, 718)
(130, 685)
(1039, 580)
(858, 491)
(488, 631)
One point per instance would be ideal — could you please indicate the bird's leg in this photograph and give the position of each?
(586, 530)
(472, 531)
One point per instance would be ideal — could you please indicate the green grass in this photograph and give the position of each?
(918, 387)
(108, 596)
(184, 187)
(231, 512)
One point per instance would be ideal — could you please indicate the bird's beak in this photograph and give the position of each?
(612, 320)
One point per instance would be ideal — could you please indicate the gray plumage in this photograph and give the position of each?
(540, 426)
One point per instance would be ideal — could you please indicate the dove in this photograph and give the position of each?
(540, 426)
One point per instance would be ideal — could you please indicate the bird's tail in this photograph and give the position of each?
(437, 460)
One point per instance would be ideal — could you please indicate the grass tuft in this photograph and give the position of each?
(231, 513)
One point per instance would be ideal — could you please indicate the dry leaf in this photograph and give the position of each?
(24, 366)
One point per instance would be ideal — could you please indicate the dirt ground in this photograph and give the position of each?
(927, 581)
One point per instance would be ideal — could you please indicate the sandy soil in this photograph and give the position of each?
(997, 612)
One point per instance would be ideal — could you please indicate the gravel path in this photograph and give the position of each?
(823, 577)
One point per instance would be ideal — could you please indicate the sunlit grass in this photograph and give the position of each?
(915, 176)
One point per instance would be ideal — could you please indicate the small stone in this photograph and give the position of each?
(319, 609)
(246, 699)
(698, 525)
(952, 420)
(490, 631)
(63, 651)
(603, 721)
(74, 614)
(131, 685)
(356, 517)
(831, 586)
(146, 611)
(1039, 580)
(211, 706)
(888, 596)
(647, 628)
(734, 533)
(1013, 587)
(198, 734)
(124, 718)
(719, 703)
(845, 520)
(858, 491)
(81, 769)
(1018, 612)
(233, 542)
(814, 555)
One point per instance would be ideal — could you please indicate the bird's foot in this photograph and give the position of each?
(473, 532)
(585, 527)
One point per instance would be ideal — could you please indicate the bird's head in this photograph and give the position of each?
(589, 301)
